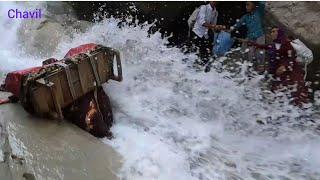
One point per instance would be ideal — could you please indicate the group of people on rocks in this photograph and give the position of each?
(286, 73)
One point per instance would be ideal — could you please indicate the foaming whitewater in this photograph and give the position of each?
(172, 122)
(12, 56)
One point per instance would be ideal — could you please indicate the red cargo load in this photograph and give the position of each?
(80, 49)
(13, 80)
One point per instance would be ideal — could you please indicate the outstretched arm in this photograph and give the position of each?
(260, 46)
(252, 43)
(239, 23)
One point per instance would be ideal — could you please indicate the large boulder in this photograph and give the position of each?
(300, 18)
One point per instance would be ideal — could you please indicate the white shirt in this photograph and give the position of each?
(206, 15)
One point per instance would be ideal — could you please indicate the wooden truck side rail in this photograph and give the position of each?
(61, 83)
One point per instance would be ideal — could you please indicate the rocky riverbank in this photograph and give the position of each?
(48, 149)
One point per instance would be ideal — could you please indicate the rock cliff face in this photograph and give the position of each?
(302, 18)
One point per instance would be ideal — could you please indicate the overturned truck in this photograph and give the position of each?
(70, 88)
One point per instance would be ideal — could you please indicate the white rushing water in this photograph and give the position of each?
(11, 55)
(172, 122)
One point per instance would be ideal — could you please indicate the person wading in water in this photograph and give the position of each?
(203, 27)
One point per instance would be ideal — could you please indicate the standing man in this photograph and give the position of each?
(202, 34)
(253, 20)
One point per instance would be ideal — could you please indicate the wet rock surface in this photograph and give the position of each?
(302, 18)
(48, 149)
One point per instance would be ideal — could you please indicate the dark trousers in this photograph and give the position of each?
(202, 46)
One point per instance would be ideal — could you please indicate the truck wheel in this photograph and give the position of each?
(100, 122)
(105, 108)
(98, 127)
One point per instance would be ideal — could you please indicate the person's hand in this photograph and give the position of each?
(220, 27)
(231, 29)
(217, 27)
(246, 41)
(213, 27)
(228, 30)
(281, 70)
(243, 40)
